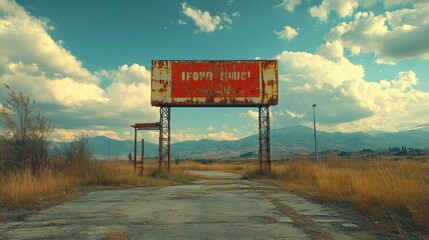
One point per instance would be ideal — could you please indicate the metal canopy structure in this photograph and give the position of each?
(242, 83)
(137, 127)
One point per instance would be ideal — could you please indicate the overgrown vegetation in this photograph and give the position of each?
(28, 173)
(394, 190)
(23, 135)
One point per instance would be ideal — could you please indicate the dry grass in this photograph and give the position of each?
(118, 235)
(230, 167)
(27, 189)
(99, 173)
(396, 190)
(378, 187)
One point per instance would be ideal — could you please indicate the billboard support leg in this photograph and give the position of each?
(164, 138)
(135, 149)
(264, 139)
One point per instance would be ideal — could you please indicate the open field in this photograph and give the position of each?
(390, 195)
(387, 192)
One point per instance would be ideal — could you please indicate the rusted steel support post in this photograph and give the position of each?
(142, 159)
(164, 138)
(264, 139)
(135, 149)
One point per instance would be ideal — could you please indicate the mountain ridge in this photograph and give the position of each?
(284, 141)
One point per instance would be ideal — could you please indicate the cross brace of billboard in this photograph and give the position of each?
(164, 138)
(264, 139)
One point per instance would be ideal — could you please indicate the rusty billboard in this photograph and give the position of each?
(214, 83)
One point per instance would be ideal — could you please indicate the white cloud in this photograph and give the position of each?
(67, 135)
(133, 74)
(250, 114)
(181, 22)
(210, 128)
(68, 93)
(287, 33)
(236, 14)
(331, 50)
(342, 7)
(225, 126)
(294, 114)
(289, 5)
(203, 20)
(25, 42)
(392, 36)
(191, 135)
(405, 82)
(345, 101)
(226, 18)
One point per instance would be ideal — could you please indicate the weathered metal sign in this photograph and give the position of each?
(214, 83)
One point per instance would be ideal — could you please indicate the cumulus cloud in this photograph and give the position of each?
(331, 50)
(25, 43)
(68, 93)
(30, 60)
(250, 114)
(392, 36)
(345, 101)
(289, 5)
(287, 33)
(405, 82)
(342, 7)
(203, 20)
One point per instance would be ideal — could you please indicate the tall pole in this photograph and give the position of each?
(316, 154)
(135, 148)
(108, 149)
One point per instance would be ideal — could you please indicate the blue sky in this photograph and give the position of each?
(87, 63)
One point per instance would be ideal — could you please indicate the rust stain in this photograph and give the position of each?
(214, 83)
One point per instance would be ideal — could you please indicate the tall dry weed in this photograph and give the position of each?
(26, 189)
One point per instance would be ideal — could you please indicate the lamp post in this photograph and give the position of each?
(316, 154)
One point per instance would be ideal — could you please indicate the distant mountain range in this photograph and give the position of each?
(284, 141)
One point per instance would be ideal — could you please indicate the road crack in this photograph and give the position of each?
(305, 223)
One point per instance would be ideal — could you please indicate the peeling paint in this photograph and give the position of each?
(214, 83)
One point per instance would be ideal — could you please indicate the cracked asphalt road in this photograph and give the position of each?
(222, 206)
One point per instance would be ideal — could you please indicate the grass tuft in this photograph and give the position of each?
(118, 235)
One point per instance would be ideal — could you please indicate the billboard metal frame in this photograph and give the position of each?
(161, 97)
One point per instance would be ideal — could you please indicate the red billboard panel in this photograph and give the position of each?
(214, 83)
(202, 79)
